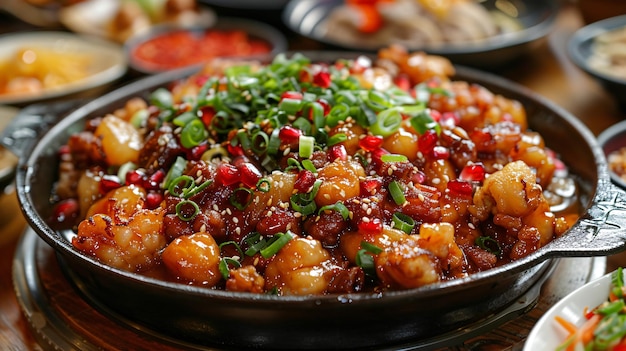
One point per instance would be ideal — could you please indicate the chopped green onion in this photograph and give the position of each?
(224, 264)
(393, 158)
(263, 185)
(193, 133)
(177, 169)
(309, 166)
(182, 210)
(336, 139)
(241, 198)
(387, 122)
(303, 124)
(290, 106)
(369, 247)
(196, 189)
(162, 98)
(139, 117)
(259, 142)
(423, 122)
(337, 113)
(278, 241)
(403, 222)
(184, 118)
(488, 244)
(617, 281)
(181, 185)
(274, 143)
(364, 258)
(255, 243)
(231, 243)
(396, 193)
(339, 207)
(306, 146)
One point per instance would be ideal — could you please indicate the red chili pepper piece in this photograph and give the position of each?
(292, 95)
(322, 79)
(427, 141)
(289, 135)
(337, 152)
(370, 186)
(460, 187)
(109, 182)
(304, 181)
(66, 210)
(325, 105)
(474, 172)
(196, 152)
(206, 115)
(371, 142)
(153, 200)
(403, 82)
(435, 115)
(250, 175)
(236, 150)
(227, 174)
(377, 156)
(449, 119)
(371, 225)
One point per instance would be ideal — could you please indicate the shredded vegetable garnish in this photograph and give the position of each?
(604, 327)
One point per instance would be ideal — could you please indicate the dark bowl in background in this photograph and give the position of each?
(580, 50)
(537, 18)
(613, 139)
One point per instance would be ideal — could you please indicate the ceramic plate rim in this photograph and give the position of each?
(547, 334)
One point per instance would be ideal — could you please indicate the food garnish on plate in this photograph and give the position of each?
(414, 23)
(299, 178)
(608, 53)
(604, 326)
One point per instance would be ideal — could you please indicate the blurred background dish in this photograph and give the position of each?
(247, 4)
(613, 143)
(121, 20)
(152, 52)
(600, 50)
(35, 66)
(481, 34)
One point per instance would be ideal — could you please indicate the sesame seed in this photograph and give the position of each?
(366, 219)
(471, 225)
(297, 214)
(269, 214)
(327, 196)
(436, 180)
(229, 211)
(235, 220)
(203, 228)
(215, 207)
(238, 230)
(421, 197)
(369, 211)
(287, 151)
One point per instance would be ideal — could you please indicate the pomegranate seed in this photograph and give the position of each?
(134, 177)
(360, 64)
(236, 150)
(109, 182)
(474, 172)
(449, 119)
(337, 152)
(291, 95)
(304, 181)
(250, 175)
(418, 177)
(227, 174)
(427, 141)
(371, 143)
(370, 186)
(201, 80)
(153, 200)
(480, 137)
(64, 150)
(206, 115)
(289, 135)
(196, 152)
(370, 226)
(154, 181)
(377, 156)
(66, 210)
(440, 153)
(403, 82)
(460, 187)
(322, 79)
(435, 115)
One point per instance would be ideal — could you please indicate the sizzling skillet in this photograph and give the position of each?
(226, 319)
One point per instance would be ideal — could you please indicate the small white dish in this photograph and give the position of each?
(107, 61)
(547, 334)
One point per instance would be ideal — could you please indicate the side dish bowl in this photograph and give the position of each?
(239, 37)
(395, 319)
(582, 48)
(611, 140)
(106, 62)
(535, 19)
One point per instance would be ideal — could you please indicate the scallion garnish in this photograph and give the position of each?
(187, 210)
(193, 133)
(263, 185)
(336, 139)
(393, 158)
(338, 207)
(276, 243)
(403, 222)
(489, 244)
(224, 265)
(396, 193)
(387, 122)
(306, 146)
(241, 198)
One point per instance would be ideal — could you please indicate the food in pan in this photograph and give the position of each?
(617, 162)
(608, 53)
(31, 70)
(414, 23)
(604, 326)
(194, 47)
(297, 177)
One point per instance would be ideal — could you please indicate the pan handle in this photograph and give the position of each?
(31, 123)
(601, 230)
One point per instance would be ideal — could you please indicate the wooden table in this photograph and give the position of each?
(547, 71)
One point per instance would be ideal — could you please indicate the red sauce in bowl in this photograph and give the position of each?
(185, 48)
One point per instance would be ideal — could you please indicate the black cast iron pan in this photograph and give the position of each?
(353, 321)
